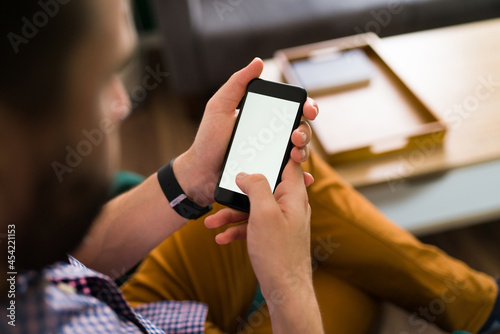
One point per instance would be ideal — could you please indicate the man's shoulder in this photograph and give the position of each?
(52, 299)
(71, 270)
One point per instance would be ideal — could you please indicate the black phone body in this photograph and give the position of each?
(261, 140)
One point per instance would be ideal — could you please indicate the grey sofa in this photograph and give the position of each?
(207, 40)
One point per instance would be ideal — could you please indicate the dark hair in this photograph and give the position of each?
(37, 37)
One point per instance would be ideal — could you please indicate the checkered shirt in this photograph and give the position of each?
(70, 298)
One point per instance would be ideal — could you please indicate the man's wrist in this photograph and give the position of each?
(295, 291)
(296, 311)
(192, 181)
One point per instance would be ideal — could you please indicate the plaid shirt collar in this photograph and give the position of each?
(70, 298)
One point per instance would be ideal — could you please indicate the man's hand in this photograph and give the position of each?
(113, 244)
(278, 239)
(278, 227)
(197, 170)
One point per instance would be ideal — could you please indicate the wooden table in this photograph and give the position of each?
(456, 71)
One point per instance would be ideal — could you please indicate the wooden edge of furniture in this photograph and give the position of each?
(434, 129)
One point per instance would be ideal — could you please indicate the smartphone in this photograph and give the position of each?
(261, 140)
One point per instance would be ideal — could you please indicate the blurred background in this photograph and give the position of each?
(204, 41)
(442, 55)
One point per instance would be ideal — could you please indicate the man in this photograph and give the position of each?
(59, 96)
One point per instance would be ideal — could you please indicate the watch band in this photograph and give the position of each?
(175, 195)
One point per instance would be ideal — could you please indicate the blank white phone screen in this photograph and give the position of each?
(260, 142)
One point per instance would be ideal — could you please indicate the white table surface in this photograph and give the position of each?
(459, 197)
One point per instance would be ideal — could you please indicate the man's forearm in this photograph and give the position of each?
(129, 227)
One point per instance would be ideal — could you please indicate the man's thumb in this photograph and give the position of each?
(255, 186)
(230, 94)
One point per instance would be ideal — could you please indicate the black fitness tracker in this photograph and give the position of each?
(177, 198)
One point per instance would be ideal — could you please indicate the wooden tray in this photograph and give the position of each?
(364, 122)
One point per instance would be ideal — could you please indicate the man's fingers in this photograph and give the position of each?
(295, 192)
(224, 217)
(311, 109)
(300, 155)
(293, 183)
(228, 96)
(302, 135)
(308, 179)
(293, 173)
(233, 233)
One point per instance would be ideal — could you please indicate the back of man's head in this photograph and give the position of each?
(49, 217)
(37, 37)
